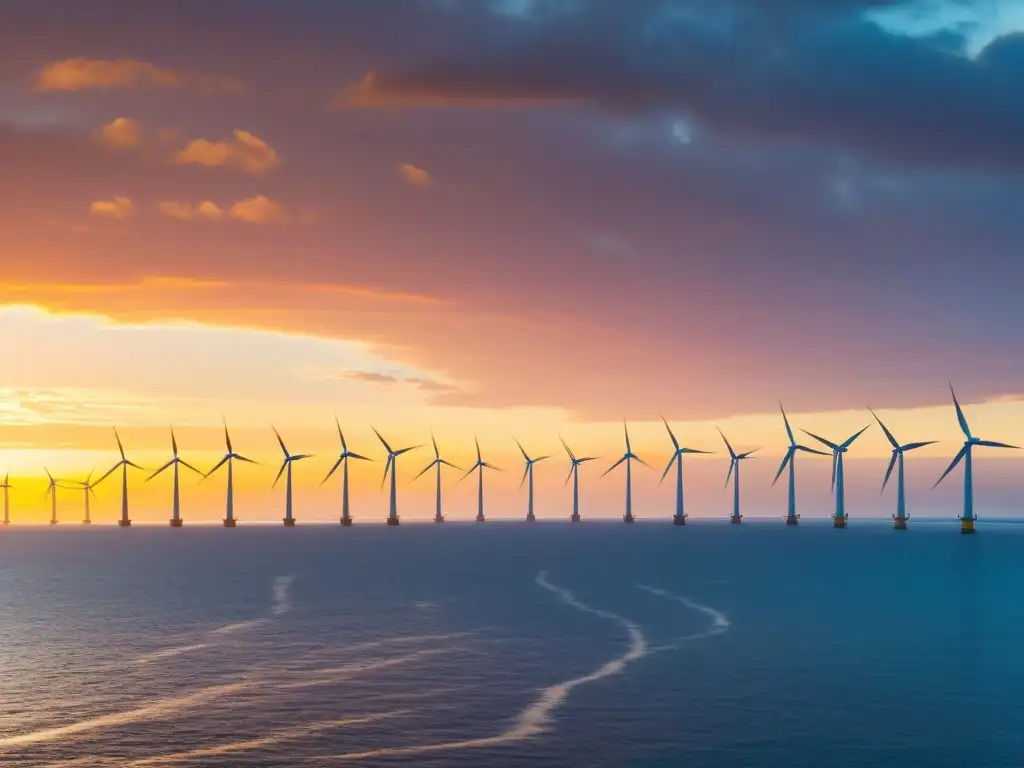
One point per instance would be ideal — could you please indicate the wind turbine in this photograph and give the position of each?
(734, 464)
(528, 473)
(968, 517)
(51, 491)
(342, 461)
(838, 449)
(289, 459)
(790, 460)
(479, 468)
(898, 450)
(574, 475)
(391, 466)
(229, 458)
(174, 462)
(87, 486)
(123, 465)
(6, 485)
(628, 457)
(437, 463)
(677, 458)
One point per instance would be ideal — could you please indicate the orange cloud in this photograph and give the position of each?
(117, 208)
(207, 209)
(414, 175)
(375, 91)
(245, 152)
(258, 210)
(81, 73)
(122, 133)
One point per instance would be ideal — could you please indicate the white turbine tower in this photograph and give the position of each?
(87, 487)
(174, 462)
(123, 465)
(528, 473)
(343, 459)
(901, 516)
(792, 518)
(392, 467)
(479, 468)
(968, 518)
(734, 464)
(229, 458)
(574, 475)
(677, 458)
(289, 459)
(838, 486)
(6, 485)
(51, 491)
(436, 464)
(628, 457)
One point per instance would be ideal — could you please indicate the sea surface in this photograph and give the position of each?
(506, 645)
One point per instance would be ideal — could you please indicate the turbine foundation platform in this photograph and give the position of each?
(87, 522)
(792, 521)
(481, 519)
(7, 522)
(574, 518)
(53, 522)
(839, 522)
(289, 522)
(392, 521)
(530, 518)
(967, 526)
(628, 518)
(124, 523)
(176, 522)
(736, 519)
(678, 519)
(346, 521)
(229, 522)
(439, 519)
(900, 523)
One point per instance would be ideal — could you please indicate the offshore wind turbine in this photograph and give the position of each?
(392, 467)
(123, 465)
(790, 460)
(289, 459)
(628, 457)
(574, 475)
(968, 517)
(343, 459)
(679, 518)
(479, 468)
(174, 462)
(6, 485)
(437, 463)
(87, 487)
(51, 491)
(528, 473)
(734, 464)
(838, 486)
(229, 458)
(901, 516)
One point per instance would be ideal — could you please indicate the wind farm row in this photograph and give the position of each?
(437, 466)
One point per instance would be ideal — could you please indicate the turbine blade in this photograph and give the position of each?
(913, 446)
(822, 440)
(242, 458)
(675, 443)
(280, 442)
(960, 415)
(120, 447)
(301, 456)
(625, 428)
(227, 438)
(567, 450)
(491, 466)
(216, 466)
(174, 443)
(587, 458)
(477, 441)
(526, 471)
(748, 454)
(165, 466)
(637, 458)
(892, 463)
(789, 430)
(694, 450)
(426, 469)
(400, 451)
(568, 477)
(437, 453)
(387, 467)
(351, 455)
(888, 434)
(382, 440)
(341, 435)
(849, 440)
(106, 474)
(993, 444)
(805, 449)
(835, 462)
(189, 466)
(785, 461)
(732, 453)
(469, 472)
(132, 464)
(613, 466)
(956, 460)
(449, 464)
(284, 465)
(333, 469)
(540, 458)
(728, 475)
(675, 456)
(522, 450)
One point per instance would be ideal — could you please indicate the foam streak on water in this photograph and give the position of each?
(719, 621)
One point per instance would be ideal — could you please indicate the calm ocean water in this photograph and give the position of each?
(507, 645)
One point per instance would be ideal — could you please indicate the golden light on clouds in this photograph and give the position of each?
(244, 152)
(259, 209)
(414, 175)
(121, 133)
(81, 73)
(116, 208)
(206, 210)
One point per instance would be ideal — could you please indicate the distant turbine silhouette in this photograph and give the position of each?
(677, 458)
(51, 491)
(898, 450)
(6, 485)
(392, 467)
(628, 457)
(437, 463)
(87, 487)
(790, 460)
(123, 465)
(838, 486)
(528, 473)
(289, 459)
(229, 458)
(734, 464)
(968, 517)
(479, 468)
(174, 462)
(574, 475)
(343, 459)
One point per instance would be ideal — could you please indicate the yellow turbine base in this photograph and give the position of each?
(900, 524)
(839, 522)
(229, 523)
(966, 526)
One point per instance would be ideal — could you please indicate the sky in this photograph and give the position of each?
(517, 218)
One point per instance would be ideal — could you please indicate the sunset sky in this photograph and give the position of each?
(515, 217)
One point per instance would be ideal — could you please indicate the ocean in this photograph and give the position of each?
(504, 644)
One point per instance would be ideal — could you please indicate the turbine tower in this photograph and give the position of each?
(6, 485)
(734, 464)
(628, 457)
(437, 463)
(391, 466)
(528, 473)
(123, 465)
(790, 460)
(574, 475)
(289, 459)
(87, 487)
(968, 517)
(901, 516)
(229, 458)
(479, 468)
(51, 491)
(838, 486)
(174, 462)
(677, 458)
(343, 459)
